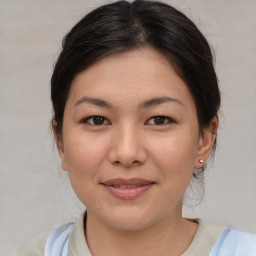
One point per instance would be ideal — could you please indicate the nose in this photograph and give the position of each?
(127, 147)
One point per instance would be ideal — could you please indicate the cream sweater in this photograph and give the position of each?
(202, 244)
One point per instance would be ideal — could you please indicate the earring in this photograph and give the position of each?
(201, 161)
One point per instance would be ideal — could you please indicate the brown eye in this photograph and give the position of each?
(159, 120)
(96, 120)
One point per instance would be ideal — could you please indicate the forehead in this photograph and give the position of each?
(137, 74)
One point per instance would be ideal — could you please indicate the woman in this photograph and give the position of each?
(135, 99)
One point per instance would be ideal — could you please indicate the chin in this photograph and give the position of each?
(130, 224)
(129, 220)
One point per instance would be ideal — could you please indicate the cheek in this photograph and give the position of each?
(176, 149)
(174, 155)
(84, 154)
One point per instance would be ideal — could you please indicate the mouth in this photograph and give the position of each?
(127, 189)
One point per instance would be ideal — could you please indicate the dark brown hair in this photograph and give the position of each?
(122, 26)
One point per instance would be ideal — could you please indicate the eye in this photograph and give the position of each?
(159, 120)
(96, 120)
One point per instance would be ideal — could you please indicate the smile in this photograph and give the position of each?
(127, 189)
(126, 186)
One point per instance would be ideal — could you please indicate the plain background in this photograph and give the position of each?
(35, 193)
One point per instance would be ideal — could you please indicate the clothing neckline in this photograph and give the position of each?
(205, 238)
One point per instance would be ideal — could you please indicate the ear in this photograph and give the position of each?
(205, 142)
(60, 145)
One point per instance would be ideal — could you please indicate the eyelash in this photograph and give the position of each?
(86, 120)
(167, 120)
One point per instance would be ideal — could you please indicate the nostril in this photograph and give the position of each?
(127, 164)
(127, 156)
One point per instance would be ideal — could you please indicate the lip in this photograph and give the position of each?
(127, 193)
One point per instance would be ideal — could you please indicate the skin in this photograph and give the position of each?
(129, 143)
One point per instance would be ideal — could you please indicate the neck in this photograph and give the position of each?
(171, 236)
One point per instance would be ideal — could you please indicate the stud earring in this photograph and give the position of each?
(201, 161)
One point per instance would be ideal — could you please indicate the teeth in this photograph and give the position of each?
(126, 186)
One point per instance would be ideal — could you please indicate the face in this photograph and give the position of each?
(131, 139)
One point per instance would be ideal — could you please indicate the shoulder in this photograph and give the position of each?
(234, 242)
(50, 242)
(204, 239)
(215, 240)
(66, 237)
(35, 246)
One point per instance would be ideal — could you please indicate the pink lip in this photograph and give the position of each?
(127, 193)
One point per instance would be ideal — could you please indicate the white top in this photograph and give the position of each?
(205, 239)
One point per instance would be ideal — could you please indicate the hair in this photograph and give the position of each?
(123, 26)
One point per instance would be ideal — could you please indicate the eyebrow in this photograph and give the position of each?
(158, 101)
(145, 104)
(94, 101)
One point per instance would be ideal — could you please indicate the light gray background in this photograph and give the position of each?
(35, 194)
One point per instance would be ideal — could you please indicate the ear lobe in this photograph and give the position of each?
(60, 146)
(206, 142)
